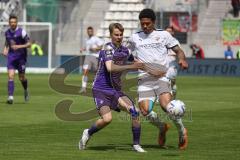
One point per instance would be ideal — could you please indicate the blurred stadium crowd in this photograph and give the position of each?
(207, 23)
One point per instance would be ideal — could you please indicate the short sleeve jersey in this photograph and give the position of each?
(153, 47)
(17, 37)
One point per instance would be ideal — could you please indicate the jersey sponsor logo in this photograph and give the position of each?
(23, 67)
(152, 45)
(109, 53)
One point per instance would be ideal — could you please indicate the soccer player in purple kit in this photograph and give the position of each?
(107, 92)
(17, 42)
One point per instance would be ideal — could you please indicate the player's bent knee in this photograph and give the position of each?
(107, 120)
(146, 107)
(10, 76)
(144, 113)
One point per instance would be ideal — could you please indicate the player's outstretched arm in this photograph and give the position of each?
(181, 57)
(111, 67)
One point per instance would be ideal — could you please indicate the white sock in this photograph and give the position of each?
(84, 81)
(155, 120)
(178, 123)
(10, 97)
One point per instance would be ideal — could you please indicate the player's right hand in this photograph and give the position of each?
(183, 64)
(138, 64)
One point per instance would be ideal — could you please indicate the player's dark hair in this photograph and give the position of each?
(147, 13)
(12, 16)
(112, 26)
(90, 28)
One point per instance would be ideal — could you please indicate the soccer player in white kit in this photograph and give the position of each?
(152, 46)
(93, 45)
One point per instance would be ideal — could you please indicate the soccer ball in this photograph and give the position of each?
(176, 109)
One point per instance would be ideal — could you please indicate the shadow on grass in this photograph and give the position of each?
(14, 103)
(152, 146)
(108, 147)
(128, 147)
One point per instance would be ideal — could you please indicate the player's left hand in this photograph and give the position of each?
(183, 64)
(15, 47)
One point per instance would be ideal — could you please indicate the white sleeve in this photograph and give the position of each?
(131, 44)
(99, 41)
(24, 33)
(171, 41)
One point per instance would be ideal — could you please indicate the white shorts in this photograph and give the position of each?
(149, 88)
(90, 62)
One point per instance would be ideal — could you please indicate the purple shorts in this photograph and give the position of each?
(107, 98)
(17, 63)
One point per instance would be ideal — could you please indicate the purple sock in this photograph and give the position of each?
(93, 129)
(10, 87)
(25, 84)
(136, 131)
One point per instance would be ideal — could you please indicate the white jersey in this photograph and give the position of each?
(153, 47)
(93, 42)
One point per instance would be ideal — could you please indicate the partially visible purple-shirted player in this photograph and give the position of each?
(17, 42)
(107, 92)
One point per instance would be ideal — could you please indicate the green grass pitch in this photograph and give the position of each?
(32, 130)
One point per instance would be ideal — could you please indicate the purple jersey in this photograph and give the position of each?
(16, 58)
(17, 37)
(110, 80)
